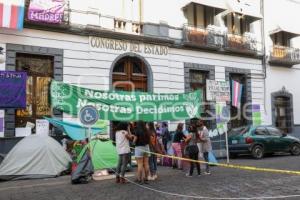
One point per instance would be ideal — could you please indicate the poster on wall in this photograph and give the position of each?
(222, 117)
(23, 132)
(256, 115)
(217, 91)
(1, 123)
(12, 89)
(42, 127)
(48, 11)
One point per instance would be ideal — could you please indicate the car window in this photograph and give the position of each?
(261, 131)
(239, 131)
(274, 131)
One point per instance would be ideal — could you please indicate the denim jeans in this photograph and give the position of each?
(122, 164)
(205, 155)
(153, 164)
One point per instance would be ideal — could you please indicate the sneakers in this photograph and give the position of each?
(207, 173)
(152, 178)
(188, 175)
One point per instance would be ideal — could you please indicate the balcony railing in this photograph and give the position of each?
(217, 38)
(204, 37)
(284, 56)
(127, 26)
(242, 44)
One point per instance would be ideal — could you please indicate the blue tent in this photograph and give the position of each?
(74, 131)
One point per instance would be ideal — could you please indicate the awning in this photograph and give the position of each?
(245, 11)
(291, 32)
(219, 6)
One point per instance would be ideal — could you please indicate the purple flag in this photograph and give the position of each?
(49, 11)
(1, 124)
(13, 89)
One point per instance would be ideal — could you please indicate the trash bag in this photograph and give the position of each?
(82, 173)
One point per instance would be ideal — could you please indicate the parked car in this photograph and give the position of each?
(261, 140)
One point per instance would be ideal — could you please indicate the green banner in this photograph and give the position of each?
(126, 106)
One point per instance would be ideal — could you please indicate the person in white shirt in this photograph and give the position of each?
(123, 136)
(206, 146)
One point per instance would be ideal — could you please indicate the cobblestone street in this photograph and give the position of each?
(223, 183)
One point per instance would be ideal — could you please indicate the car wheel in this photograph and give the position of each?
(258, 152)
(295, 149)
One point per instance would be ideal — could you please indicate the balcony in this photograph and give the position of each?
(284, 56)
(217, 38)
(208, 38)
(126, 26)
(245, 44)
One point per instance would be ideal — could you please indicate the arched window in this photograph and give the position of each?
(130, 73)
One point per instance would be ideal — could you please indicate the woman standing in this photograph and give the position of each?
(192, 149)
(122, 145)
(154, 147)
(205, 144)
(142, 150)
(176, 145)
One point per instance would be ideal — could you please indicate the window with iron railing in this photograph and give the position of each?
(212, 36)
(284, 53)
(241, 43)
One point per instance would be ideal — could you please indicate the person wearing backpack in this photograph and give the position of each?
(192, 150)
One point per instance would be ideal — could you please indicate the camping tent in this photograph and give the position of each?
(35, 156)
(104, 154)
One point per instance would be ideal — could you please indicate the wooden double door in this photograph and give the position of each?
(130, 74)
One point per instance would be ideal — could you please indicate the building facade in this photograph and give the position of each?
(137, 45)
(282, 43)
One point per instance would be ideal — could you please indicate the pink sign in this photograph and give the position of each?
(49, 11)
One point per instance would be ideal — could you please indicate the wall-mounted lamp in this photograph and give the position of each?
(2, 58)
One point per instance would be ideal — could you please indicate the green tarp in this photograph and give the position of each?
(126, 106)
(104, 154)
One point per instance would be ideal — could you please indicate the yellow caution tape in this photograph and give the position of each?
(250, 168)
